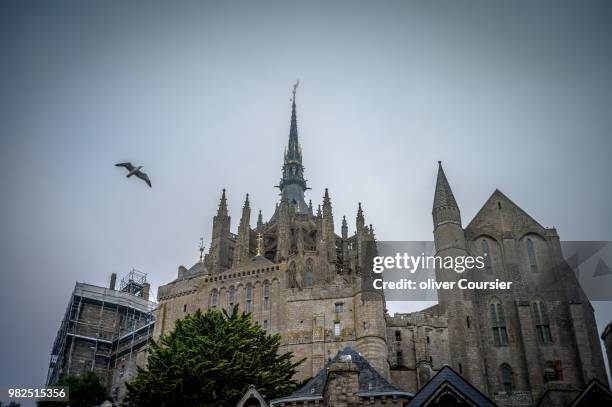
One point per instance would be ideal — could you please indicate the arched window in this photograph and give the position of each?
(215, 299)
(231, 296)
(309, 273)
(507, 379)
(266, 296)
(249, 298)
(533, 265)
(498, 323)
(540, 316)
(487, 256)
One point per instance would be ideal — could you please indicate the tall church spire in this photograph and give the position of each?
(293, 148)
(292, 181)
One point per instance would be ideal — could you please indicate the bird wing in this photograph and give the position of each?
(128, 166)
(144, 177)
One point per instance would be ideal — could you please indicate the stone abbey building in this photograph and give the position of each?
(536, 343)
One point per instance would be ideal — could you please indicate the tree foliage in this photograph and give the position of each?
(210, 359)
(85, 390)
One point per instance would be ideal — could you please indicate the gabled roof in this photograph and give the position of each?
(448, 378)
(252, 393)
(370, 382)
(594, 393)
(491, 205)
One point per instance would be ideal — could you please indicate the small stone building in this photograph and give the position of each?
(347, 380)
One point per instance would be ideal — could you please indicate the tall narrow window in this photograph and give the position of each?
(309, 273)
(533, 265)
(558, 370)
(540, 317)
(337, 328)
(498, 322)
(215, 299)
(487, 256)
(506, 372)
(231, 297)
(309, 278)
(398, 335)
(265, 324)
(266, 296)
(400, 358)
(249, 298)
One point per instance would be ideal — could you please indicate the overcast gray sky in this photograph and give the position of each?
(510, 95)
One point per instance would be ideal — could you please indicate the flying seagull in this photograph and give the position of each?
(135, 171)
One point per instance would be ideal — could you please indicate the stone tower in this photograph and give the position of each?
(458, 305)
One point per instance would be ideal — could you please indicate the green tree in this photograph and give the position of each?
(210, 359)
(85, 390)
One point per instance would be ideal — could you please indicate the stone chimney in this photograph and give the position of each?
(146, 287)
(342, 384)
(113, 280)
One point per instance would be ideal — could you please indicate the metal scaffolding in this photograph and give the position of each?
(98, 325)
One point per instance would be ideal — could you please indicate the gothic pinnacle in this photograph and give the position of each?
(222, 204)
(326, 200)
(360, 221)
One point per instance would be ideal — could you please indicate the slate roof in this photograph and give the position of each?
(447, 376)
(594, 392)
(371, 383)
(497, 196)
(443, 195)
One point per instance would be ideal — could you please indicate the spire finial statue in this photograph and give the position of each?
(201, 249)
(295, 86)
